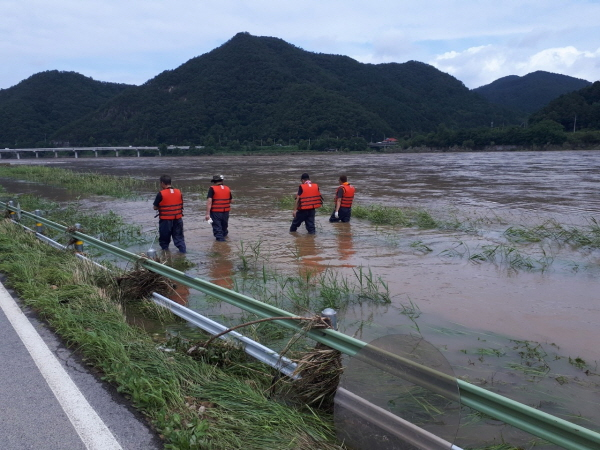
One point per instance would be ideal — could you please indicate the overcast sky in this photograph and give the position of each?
(132, 41)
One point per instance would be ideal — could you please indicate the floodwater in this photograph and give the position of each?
(464, 305)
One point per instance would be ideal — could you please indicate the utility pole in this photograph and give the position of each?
(574, 123)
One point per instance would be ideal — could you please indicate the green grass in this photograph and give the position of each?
(551, 230)
(191, 403)
(85, 183)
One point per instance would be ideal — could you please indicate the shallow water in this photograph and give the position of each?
(461, 303)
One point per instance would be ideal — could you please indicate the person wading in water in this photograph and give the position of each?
(307, 200)
(169, 204)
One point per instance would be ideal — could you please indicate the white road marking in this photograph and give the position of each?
(90, 427)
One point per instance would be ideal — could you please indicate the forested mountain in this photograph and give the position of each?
(578, 110)
(262, 87)
(34, 109)
(530, 92)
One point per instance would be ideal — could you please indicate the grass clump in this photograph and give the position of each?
(551, 230)
(388, 215)
(87, 183)
(192, 404)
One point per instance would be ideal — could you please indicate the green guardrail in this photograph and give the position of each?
(526, 418)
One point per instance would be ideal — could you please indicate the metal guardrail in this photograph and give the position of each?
(253, 348)
(368, 411)
(531, 420)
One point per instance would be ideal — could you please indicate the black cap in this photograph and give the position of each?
(305, 176)
(217, 178)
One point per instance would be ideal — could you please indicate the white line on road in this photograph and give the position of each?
(90, 427)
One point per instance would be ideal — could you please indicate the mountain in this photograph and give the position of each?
(530, 92)
(578, 110)
(262, 87)
(31, 111)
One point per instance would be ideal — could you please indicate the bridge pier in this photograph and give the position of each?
(96, 153)
(55, 154)
(37, 154)
(18, 155)
(138, 153)
(76, 154)
(116, 153)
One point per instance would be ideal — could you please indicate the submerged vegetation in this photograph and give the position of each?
(84, 183)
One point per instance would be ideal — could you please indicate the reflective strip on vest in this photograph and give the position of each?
(221, 200)
(310, 197)
(347, 196)
(171, 205)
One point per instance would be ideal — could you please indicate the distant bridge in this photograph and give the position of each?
(77, 150)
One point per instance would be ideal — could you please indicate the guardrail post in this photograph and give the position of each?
(331, 315)
(39, 226)
(13, 214)
(78, 243)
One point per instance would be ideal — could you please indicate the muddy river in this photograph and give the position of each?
(467, 307)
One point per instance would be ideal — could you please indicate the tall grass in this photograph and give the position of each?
(551, 230)
(191, 403)
(85, 183)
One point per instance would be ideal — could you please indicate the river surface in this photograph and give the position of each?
(462, 306)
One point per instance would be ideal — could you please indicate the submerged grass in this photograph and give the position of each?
(551, 230)
(387, 215)
(86, 183)
(191, 403)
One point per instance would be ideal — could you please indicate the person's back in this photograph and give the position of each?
(344, 196)
(307, 200)
(169, 204)
(218, 205)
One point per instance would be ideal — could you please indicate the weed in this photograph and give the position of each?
(89, 183)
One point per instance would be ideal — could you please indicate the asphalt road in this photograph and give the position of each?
(49, 400)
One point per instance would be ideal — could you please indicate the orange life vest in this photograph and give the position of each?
(310, 197)
(171, 205)
(347, 196)
(221, 199)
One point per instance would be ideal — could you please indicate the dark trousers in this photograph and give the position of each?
(343, 215)
(171, 228)
(220, 224)
(308, 217)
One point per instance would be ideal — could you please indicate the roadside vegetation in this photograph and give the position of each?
(191, 403)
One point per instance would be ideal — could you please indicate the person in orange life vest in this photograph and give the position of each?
(218, 204)
(343, 201)
(169, 204)
(307, 200)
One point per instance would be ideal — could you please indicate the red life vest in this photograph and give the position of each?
(310, 197)
(347, 196)
(171, 205)
(221, 199)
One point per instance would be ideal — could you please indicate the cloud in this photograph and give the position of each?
(134, 40)
(481, 65)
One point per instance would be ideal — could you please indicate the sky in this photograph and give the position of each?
(132, 41)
